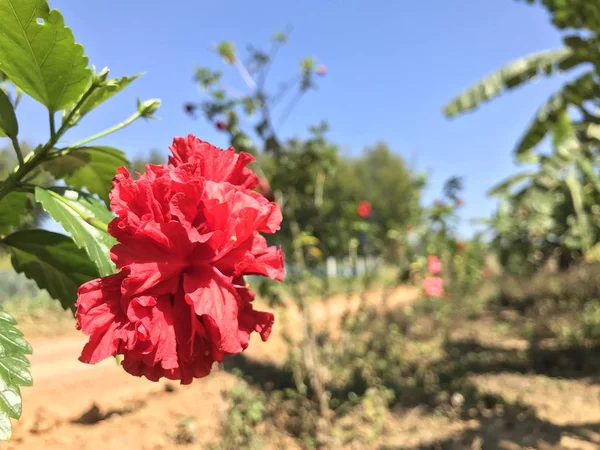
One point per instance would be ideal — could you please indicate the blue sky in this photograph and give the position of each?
(392, 65)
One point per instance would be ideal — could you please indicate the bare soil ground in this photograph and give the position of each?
(77, 406)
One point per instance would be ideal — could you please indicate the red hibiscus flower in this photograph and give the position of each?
(364, 209)
(433, 286)
(434, 265)
(188, 233)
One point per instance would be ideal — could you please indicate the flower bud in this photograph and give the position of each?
(8, 121)
(102, 76)
(148, 108)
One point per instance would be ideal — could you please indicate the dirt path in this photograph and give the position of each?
(130, 412)
(82, 407)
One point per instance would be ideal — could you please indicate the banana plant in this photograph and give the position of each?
(581, 48)
(556, 203)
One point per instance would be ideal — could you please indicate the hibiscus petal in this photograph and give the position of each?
(251, 320)
(99, 315)
(212, 295)
(214, 164)
(253, 257)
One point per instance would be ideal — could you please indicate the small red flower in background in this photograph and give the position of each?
(433, 286)
(461, 246)
(364, 209)
(221, 125)
(322, 70)
(485, 273)
(458, 202)
(190, 108)
(188, 233)
(434, 265)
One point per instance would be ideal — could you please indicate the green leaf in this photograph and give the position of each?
(92, 168)
(76, 212)
(39, 54)
(53, 261)
(12, 208)
(14, 372)
(587, 168)
(548, 116)
(227, 51)
(512, 75)
(104, 91)
(575, 189)
(504, 186)
(8, 121)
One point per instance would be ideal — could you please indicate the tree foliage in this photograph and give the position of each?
(318, 188)
(549, 212)
(580, 52)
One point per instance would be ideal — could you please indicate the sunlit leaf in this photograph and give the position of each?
(506, 185)
(92, 168)
(39, 54)
(574, 93)
(510, 76)
(14, 372)
(76, 211)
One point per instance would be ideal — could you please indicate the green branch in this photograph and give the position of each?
(108, 131)
(52, 125)
(34, 159)
(17, 147)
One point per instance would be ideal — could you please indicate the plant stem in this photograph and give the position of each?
(108, 131)
(309, 350)
(17, 147)
(239, 65)
(52, 125)
(34, 159)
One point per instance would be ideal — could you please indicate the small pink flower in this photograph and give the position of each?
(322, 70)
(434, 265)
(433, 286)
